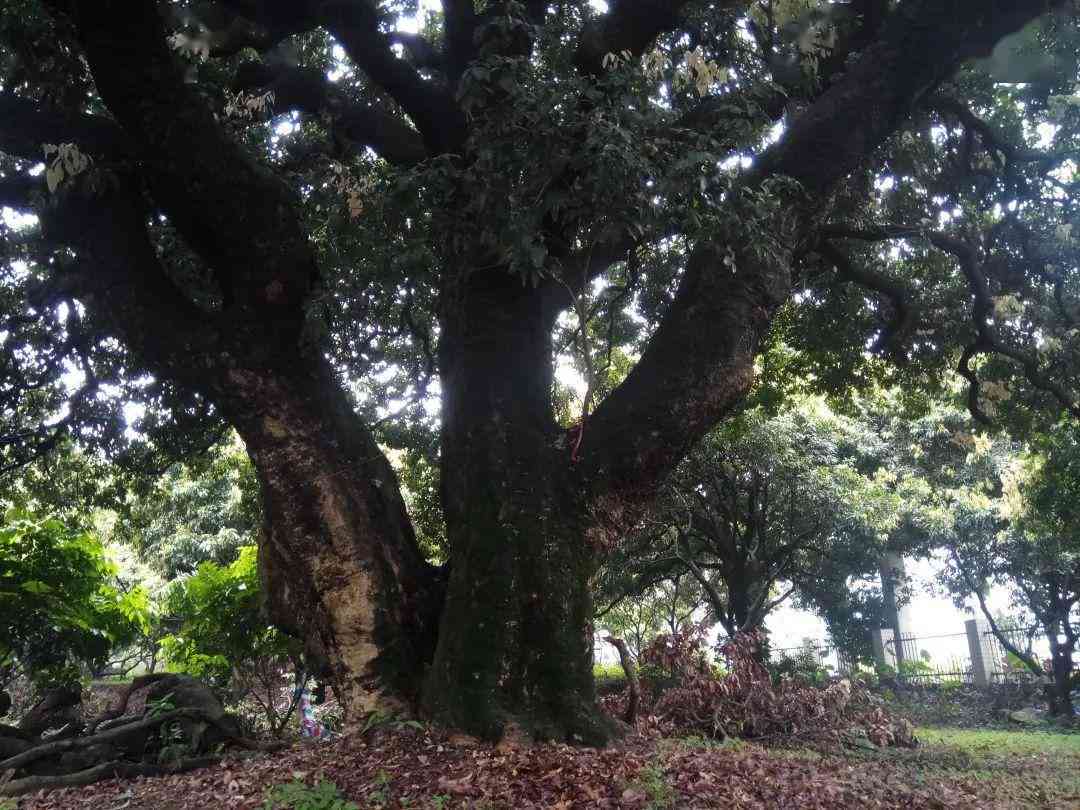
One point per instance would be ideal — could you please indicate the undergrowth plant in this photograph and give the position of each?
(297, 795)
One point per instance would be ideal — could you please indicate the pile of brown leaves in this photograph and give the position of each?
(686, 695)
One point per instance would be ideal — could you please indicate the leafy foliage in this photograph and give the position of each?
(61, 608)
(201, 511)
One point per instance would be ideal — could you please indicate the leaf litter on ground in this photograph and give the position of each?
(420, 768)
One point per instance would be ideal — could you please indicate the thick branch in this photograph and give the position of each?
(421, 52)
(25, 126)
(120, 276)
(699, 364)
(460, 23)
(629, 25)
(240, 218)
(229, 26)
(309, 91)
(429, 104)
(923, 43)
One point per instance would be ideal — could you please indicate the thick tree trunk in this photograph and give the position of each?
(515, 641)
(338, 555)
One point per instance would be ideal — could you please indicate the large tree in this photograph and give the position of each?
(708, 159)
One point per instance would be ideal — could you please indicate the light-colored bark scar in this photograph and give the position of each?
(348, 593)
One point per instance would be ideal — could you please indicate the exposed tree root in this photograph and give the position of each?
(120, 733)
(106, 770)
(125, 697)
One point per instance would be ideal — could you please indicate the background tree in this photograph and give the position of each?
(638, 615)
(764, 509)
(193, 513)
(1017, 530)
(471, 184)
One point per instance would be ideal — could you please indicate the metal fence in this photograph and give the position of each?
(935, 659)
(925, 660)
(822, 655)
(1029, 640)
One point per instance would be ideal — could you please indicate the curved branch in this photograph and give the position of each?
(921, 45)
(700, 363)
(987, 339)
(991, 138)
(310, 92)
(459, 18)
(897, 294)
(628, 25)
(25, 125)
(229, 26)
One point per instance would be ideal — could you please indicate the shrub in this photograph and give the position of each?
(222, 637)
(804, 665)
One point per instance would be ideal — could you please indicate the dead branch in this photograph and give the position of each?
(627, 662)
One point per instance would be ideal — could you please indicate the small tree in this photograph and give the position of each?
(221, 635)
(1027, 540)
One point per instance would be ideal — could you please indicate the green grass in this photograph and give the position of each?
(1001, 742)
(1032, 768)
(609, 678)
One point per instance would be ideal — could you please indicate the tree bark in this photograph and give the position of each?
(1061, 665)
(515, 642)
(339, 560)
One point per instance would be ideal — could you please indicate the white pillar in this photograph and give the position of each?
(895, 589)
(986, 666)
